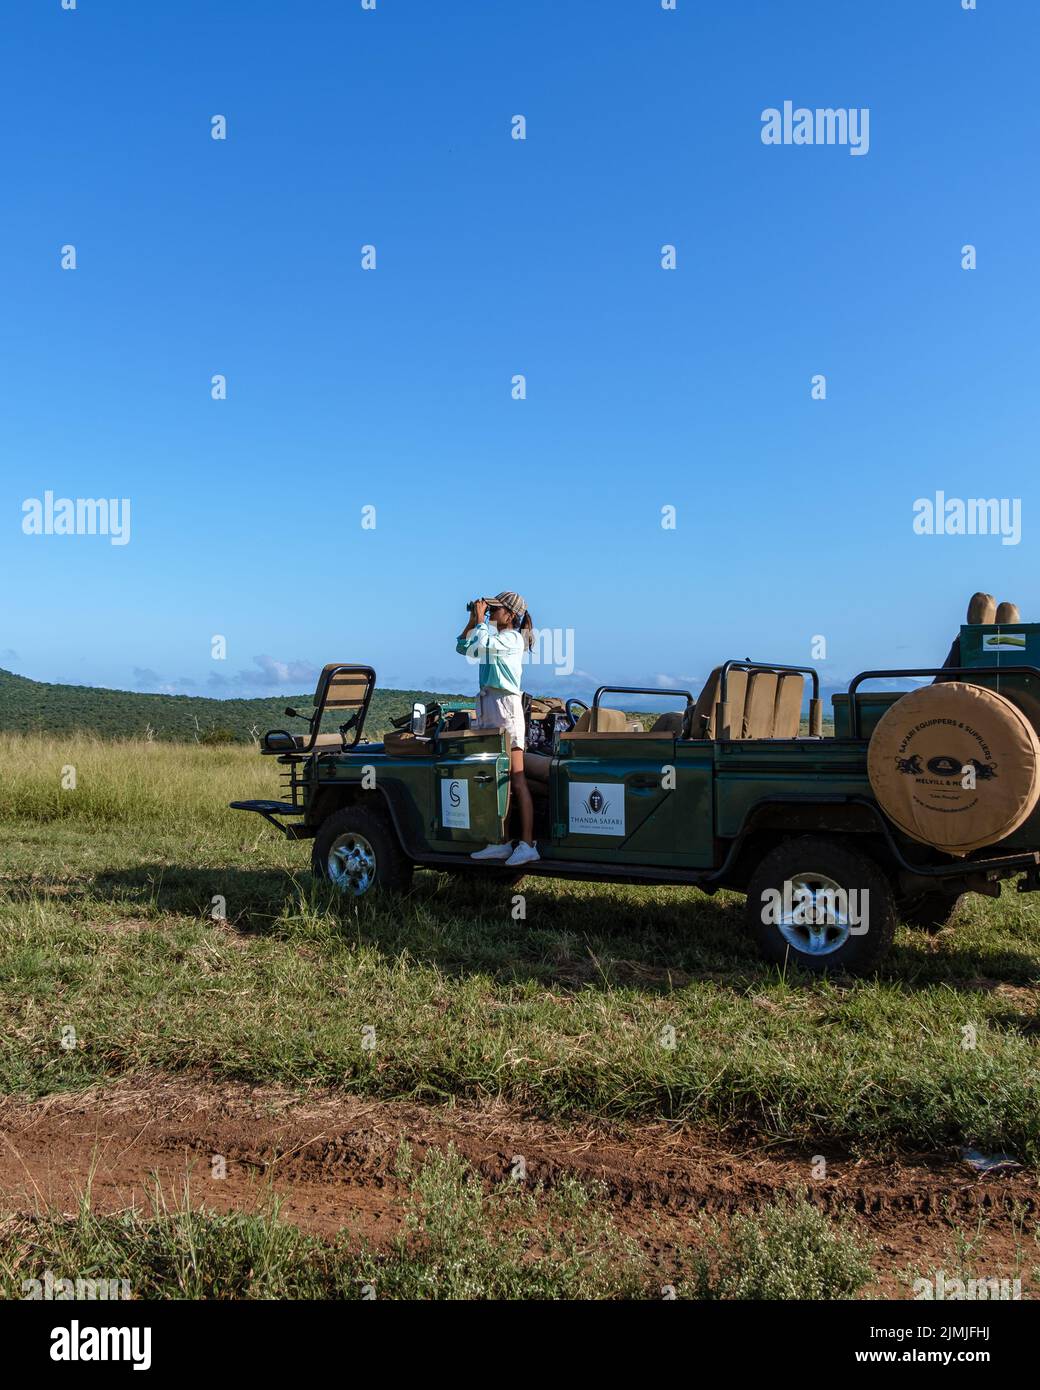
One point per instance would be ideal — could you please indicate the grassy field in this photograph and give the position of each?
(107, 929)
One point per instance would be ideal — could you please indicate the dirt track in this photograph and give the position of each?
(330, 1160)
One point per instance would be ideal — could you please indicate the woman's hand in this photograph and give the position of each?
(476, 615)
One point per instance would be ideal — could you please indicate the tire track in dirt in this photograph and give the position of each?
(330, 1161)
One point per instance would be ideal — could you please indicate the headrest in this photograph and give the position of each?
(982, 608)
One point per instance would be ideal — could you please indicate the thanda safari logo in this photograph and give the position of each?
(593, 812)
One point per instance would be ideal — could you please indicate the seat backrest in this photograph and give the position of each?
(345, 689)
(702, 723)
(608, 721)
(759, 703)
(787, 712)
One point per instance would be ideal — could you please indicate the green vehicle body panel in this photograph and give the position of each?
(470, 773)
(749, 773)
(668, 820)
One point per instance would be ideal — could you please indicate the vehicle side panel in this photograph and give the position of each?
(632, 800)
(748, 772)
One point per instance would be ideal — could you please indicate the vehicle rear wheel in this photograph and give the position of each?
(817, 904)
(356, 850)
(930, 912)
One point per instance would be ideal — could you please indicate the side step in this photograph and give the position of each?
(270, 809)
(577, 869)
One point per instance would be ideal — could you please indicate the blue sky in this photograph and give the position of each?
(392, 388)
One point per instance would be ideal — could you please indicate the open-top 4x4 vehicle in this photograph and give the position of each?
(915, 798)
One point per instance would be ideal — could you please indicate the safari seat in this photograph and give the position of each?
(340, 687)
(761, 704)
(608, 721)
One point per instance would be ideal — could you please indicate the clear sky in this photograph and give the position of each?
(392, 388)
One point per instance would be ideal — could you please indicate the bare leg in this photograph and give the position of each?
(522, 792)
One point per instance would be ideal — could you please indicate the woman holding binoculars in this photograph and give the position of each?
(498, 632)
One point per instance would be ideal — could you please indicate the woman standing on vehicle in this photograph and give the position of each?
(497, 634)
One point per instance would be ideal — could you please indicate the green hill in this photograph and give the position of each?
(28, 706)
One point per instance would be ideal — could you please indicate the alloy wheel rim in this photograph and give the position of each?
(352, 864)
(828, 927)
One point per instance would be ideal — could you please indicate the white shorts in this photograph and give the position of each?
(497, 709)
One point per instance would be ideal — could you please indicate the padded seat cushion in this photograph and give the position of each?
(347, 689)
(787, 712)
(703, 723)
(758, 705)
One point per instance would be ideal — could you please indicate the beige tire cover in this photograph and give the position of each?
(921, 750)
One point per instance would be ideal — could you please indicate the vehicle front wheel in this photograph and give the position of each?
(356, 850)
(813, 902)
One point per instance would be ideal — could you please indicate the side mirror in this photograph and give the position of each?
(418, 719)
(292, 714)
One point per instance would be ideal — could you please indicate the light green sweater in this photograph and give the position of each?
(499, 653)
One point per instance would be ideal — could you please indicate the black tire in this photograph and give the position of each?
(832, 945)
(357, 851)
(930, 912)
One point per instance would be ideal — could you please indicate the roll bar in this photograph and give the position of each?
(656, 692)
(856, 681)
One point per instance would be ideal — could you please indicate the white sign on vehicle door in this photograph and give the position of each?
(596, 810)
(455, 803)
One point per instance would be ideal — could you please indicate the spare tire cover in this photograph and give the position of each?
(924, 745)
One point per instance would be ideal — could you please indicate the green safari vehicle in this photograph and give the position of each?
(833, 838)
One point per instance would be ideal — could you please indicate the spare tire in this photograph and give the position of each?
(955, 766)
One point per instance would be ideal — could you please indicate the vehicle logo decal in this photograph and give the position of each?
(455, 803)
(595, 812)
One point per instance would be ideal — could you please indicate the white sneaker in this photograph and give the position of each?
(494, 852)
(523, 854)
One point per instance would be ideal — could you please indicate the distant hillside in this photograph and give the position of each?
(36, 706)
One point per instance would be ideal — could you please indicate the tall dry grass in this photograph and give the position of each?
(104, 782)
